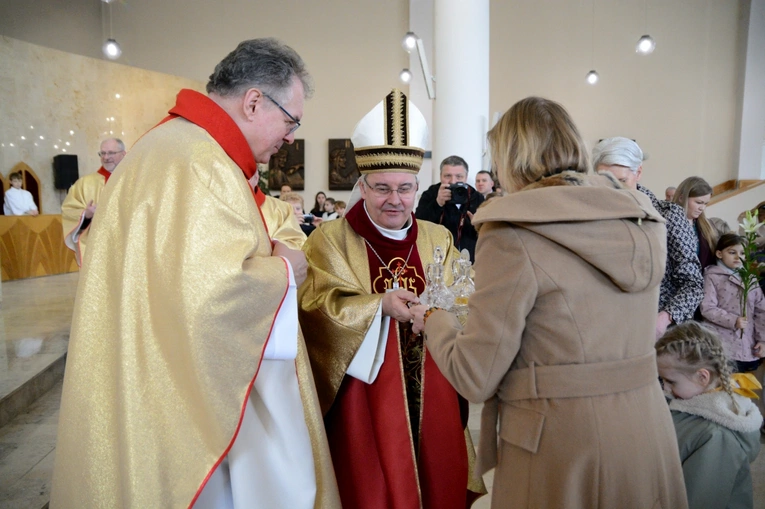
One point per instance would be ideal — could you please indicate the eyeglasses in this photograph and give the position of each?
(382, 190)
(109, 154)
(293, 119)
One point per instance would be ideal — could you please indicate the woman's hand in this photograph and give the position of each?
(759, 349)
(741, 323)
(418, 317)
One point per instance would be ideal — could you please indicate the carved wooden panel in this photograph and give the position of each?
(33, 246)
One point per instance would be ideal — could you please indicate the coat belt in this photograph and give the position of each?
(560, 381)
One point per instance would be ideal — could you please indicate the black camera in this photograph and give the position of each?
(308, 218)
(460, 193)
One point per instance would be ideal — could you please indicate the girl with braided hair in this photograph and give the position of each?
(716, 422)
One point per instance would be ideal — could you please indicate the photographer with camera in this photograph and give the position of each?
(452, 203)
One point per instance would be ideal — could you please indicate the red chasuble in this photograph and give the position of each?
(399, 442)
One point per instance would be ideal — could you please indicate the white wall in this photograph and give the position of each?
(753, 100)
(680, 103)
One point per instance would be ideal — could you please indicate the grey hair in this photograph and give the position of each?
(118, 141)
(265, 63)
(454, 161)
(617, 151)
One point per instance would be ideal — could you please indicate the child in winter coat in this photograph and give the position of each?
(722, 311)
(716, 422)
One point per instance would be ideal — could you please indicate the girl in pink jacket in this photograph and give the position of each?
(722, 311)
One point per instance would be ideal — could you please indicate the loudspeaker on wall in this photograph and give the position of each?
(65, 171)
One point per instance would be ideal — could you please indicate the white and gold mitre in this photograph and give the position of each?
(391, 137)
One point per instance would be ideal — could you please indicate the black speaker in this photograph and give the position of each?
(66, 171)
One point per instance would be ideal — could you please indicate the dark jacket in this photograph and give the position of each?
(454, 219)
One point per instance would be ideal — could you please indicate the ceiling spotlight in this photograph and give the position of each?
(592, 77)
(645, 45)
(405, 76)
(111, 49)
(409, 42)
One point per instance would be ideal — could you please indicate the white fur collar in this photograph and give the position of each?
(718, 408)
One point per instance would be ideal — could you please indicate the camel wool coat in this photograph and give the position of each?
(560, 341)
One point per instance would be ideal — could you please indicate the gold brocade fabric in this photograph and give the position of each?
(337, 305)
(80, 194)
(175, 301)
(282, 223)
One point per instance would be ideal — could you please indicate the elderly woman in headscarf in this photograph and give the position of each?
(683, 285)
(559, 335)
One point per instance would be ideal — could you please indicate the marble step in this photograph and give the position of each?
(39, 382)
(27, 451)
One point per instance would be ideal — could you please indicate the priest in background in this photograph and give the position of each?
(80, 203)
(181, 387)
(395, 426)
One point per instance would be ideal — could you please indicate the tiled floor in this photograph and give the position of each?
(40, 309)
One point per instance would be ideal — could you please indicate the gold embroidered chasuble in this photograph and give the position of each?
(281, 223)
(337, 302)
(82, 192)
(175, 302)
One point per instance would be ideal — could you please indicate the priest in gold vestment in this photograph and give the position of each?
(396, 428)
(80, 203)
(187, 380)
(280, 220)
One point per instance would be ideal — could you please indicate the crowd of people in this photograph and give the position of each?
(229, 349)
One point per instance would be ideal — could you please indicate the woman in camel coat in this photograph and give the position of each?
(560, 333)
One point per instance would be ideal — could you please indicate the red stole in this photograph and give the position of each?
(201, 110)
(106, 173)
(368, 426)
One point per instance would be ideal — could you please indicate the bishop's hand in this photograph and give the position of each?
(396, 304)
(296, 259)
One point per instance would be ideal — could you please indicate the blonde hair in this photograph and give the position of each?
(694, 347)
(293, 198)
(693, 187)
(535, 138)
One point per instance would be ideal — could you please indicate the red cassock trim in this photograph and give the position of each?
(201, 110)
(103, 171)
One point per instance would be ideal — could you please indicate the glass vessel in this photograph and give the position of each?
(463, 286)
(436, 293)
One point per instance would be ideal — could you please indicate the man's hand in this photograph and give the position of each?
(444, 195)
(662, 322)
(394, 304)
(418, 317)
(296, 259)
(90, 210)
